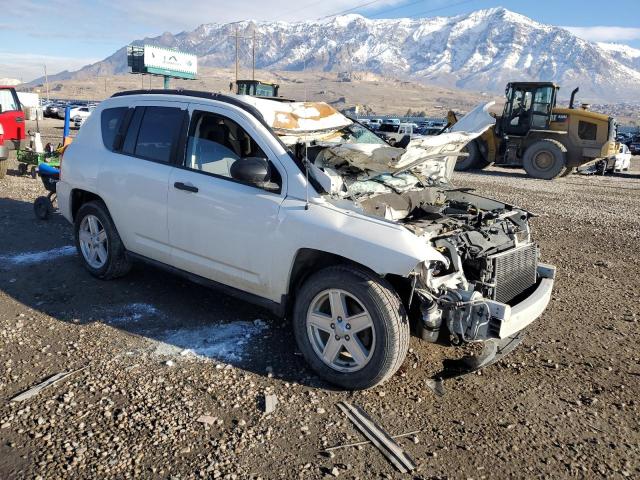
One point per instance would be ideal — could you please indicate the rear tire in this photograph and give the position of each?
(111, 260)
(545, 159)
(379, 349)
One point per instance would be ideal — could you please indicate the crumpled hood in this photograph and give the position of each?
(294, 119)
(432, 157)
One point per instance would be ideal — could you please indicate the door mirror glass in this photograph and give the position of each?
(252, 170)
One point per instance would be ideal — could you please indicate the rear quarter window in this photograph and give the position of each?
(111, 119)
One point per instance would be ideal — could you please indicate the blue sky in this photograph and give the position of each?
(68, 35)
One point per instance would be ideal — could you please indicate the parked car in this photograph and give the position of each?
(399, 134)
(390, 121)
(354, 241)
(375, 123)
(52, 109)
(634, 146)
(622, 160)
(72, 108)
(80, 115)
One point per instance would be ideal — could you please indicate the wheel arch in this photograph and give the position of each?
(79, 197)
(306, 262)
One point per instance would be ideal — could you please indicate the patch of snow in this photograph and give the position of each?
(620, 48)
(132, 313)
(223, 341)
(29, 258)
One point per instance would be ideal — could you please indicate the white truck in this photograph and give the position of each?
(295, 207)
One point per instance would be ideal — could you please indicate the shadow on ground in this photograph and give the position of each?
(40, 268)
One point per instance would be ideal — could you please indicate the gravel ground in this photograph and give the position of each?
(161, 352)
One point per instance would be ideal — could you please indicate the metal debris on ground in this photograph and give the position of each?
(207, 419)
(492, 352)
(378, 436)
(270, 402)
(367, 442)
(436, 385)
(33, 391)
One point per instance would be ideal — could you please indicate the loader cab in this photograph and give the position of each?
(528, 107)
(257, 88)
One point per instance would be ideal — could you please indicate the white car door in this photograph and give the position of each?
(134, 180)
(219, 227)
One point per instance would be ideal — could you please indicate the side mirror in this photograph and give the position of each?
(254, 170)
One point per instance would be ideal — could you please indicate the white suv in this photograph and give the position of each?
(296, 208)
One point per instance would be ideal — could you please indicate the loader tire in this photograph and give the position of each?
(474, 160)
(545, 159)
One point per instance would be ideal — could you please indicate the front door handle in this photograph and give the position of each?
(186, 186)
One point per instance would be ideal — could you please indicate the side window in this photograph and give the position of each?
(587, 130)
(215, 143)
(111, 119)
(154, 132)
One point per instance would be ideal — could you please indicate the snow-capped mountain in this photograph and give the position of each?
(623, 53)
(11, 82)
(482, 50)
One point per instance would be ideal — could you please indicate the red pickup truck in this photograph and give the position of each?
(12, 126)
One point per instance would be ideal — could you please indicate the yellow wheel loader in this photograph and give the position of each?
(534, 134)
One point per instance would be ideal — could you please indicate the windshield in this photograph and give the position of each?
(8, 100)
(356, 133)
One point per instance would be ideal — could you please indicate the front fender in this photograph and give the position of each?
(382, 246)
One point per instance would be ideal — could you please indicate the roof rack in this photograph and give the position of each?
(220, 97)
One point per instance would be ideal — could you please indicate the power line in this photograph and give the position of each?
(444, 7)
(357, 7)
(393, 9)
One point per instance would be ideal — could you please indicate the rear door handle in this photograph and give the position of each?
(186, 186)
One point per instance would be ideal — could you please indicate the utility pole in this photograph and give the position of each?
(236, 54)
(253, 53)
(46, 81)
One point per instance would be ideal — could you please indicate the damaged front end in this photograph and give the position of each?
(491, 285)
(486, 282)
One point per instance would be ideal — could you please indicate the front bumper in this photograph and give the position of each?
(512, 319)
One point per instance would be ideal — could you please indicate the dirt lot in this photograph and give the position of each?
(160, 352)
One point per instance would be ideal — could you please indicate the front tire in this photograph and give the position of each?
(98, 242)
(545, 159)
(351, 327)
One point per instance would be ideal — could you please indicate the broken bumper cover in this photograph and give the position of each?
(513, 319)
